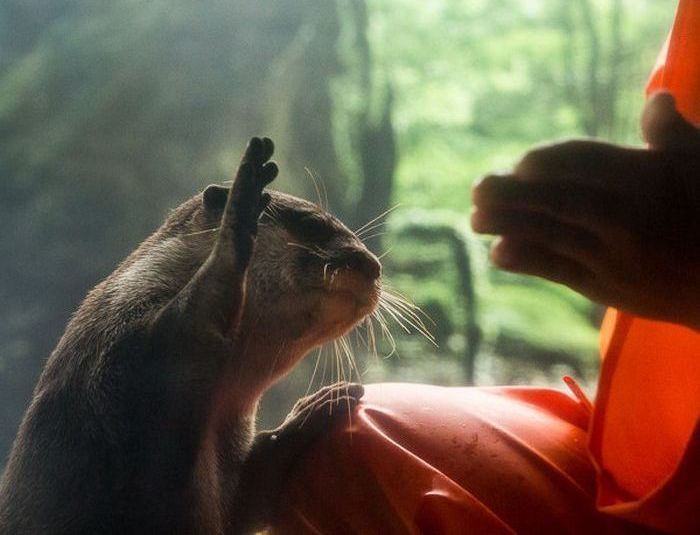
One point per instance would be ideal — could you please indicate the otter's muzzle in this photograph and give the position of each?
(358, 260)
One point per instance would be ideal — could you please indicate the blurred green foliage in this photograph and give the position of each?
(112, 112)
(478, 83)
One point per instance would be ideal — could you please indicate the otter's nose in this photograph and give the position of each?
(362, 261)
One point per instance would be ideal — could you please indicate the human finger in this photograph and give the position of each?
(563, 239)
(580, 205)
(610, 167)
(529, 258)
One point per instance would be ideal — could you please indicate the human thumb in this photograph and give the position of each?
(665, 128)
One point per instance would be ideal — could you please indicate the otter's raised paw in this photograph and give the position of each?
(246, 199)
(254, 173)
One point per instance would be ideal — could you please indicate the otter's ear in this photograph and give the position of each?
(214, 197)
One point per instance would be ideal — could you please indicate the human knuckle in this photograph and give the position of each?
(530, 163)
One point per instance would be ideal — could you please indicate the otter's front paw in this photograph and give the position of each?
(275, 453)
(312, 414)
(246, 200)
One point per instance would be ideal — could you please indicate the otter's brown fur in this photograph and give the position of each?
(143, 418)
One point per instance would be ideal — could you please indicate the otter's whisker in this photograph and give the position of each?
(371, 338)
(354, 370)
(205, 231)
(408, 309)
(338, 374)
(336, 360)
(359, 338)
(406, 305)
(385, 253)
(409, 312)
(323, 373)
(308, 249)
(396, 296)
(384, 213)
(343, 374)
(322, 251)
(318, 192)
(371, 228)
(272, 212)
(386, 333)
(372, 236)
(402, 317)
(396, 318)
(342, 344)
(345, 345)
(319, 354)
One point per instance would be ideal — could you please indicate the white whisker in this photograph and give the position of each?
(403, 303)
(393, 314)
(371, 338)
(386, 333)
(372, 236)
(384, 213)
(318, 191)
(402, 319)
(371, 228)
(205, 231)
(311, 250)
(354, 370)
(319, 354)
(385, 253)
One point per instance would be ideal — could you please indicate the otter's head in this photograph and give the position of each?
(310, 279)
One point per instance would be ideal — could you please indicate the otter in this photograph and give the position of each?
(142, 420)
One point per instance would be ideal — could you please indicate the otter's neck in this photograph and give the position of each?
(259, 362)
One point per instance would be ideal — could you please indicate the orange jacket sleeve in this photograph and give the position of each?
(645, 433)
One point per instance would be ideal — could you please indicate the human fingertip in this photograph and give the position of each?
(662, 98)
(659, 112)
(476, 220)
(477, 189)
(502, 254)
(487, 185)
(540, 160)
(492, 179)
(478, 184)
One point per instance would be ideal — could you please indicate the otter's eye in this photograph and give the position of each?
(214, 197)
(313, 227)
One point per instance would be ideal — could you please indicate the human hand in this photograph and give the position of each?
(617, 224)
